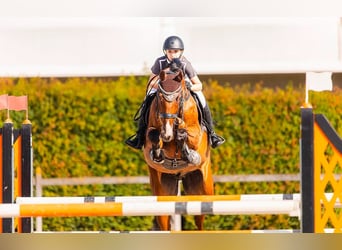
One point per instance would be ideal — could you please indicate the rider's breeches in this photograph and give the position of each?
(201, 98)
(151, 91)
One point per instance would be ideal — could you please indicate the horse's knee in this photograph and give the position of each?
(154, 136)
(182, 135)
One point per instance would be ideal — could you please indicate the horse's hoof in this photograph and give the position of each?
(194, 157)
(158, 160)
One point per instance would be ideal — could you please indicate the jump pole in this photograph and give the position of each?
(186, 198)
(290, 207)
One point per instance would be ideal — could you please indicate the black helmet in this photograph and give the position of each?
(173, 42)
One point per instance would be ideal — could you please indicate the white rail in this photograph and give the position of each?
(90, 46)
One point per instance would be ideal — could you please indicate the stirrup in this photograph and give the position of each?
(216, 140)
(134, 143)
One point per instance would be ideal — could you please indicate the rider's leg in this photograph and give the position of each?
(215, 139)
(137, 141)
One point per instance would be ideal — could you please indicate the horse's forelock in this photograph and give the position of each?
(179, 77)
(171, 81)
(170, 85)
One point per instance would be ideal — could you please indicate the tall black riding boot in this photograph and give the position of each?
(215, 139)
(137, 141)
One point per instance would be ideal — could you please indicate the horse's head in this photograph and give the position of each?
(171, 91)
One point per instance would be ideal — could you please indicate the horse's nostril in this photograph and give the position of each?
(166, 138)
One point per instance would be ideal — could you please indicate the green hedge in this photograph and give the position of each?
(80, 124)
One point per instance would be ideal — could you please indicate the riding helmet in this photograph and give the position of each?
(173, 42)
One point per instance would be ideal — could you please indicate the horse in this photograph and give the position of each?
(176, 145)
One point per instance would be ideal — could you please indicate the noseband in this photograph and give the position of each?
(169, 96)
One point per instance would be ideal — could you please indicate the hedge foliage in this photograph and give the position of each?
(80, 124)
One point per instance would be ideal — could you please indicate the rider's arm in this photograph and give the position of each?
(191, 73)
(196, 84)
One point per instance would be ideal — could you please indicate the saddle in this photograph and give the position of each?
(201, 120)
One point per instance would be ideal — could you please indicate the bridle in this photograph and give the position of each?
(177, 96)
(170, 96)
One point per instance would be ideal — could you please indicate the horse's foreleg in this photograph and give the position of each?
(192, 156)
(156, 153)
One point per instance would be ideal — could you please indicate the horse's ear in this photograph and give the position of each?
(179, 76)
(162, 75)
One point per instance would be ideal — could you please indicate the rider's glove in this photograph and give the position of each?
(188, 85)
(175, 65)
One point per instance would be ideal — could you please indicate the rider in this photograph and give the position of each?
(173, 54)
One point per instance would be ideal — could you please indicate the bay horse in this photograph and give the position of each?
(177, 146)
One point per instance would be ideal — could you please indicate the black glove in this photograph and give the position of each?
(188, 85)
(177, 61)
(175, 65)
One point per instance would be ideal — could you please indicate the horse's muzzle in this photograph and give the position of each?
(167, 132)
(166, 137)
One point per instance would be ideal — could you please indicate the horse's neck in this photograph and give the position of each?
(190, 112)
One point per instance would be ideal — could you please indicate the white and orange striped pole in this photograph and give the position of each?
(186, 198)
(290, 207)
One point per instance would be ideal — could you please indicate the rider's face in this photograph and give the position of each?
(173, 53)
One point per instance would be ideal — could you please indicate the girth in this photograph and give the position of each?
(173, 164)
